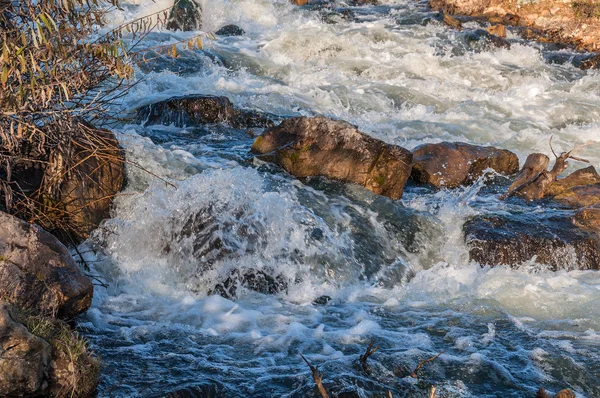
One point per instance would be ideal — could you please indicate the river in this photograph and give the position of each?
(396, 272)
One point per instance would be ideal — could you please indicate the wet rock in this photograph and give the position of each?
(485, 38)
(186, 15)
(38, 273)
(591, 63)
(186, 63)
(588, 218)
(194, 110)
(497, 30)
(90, 185)
(580, 196)
(541, 393)
(230, 30)
(322, 300)
(451, 21)
(555, 240)
(451, 164)
(258, 281)
(586, 176)
(24, 358)
(320, 146)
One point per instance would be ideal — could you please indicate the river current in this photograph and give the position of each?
(396, 272)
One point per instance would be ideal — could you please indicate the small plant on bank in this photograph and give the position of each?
(75, 369)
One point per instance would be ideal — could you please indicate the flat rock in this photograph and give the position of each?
(38, 273)
(555, 240)
(320, 146)
(580, 196)
(194, 110)
(587, 176)
(24, 358)
(452, 164)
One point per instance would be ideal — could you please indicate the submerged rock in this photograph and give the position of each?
(186, 15)
(230, 30)
(258, 281)
(319, 146)
(24, 358)
(554, 240)
(451, 164)
(38, 273)
(194, 110)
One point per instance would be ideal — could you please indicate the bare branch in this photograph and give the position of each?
(318, 378)
(414, 374)
(363, 358)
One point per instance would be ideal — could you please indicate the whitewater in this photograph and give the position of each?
(393, 272)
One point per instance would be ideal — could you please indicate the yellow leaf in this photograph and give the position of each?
(4, 77)
(174, 51)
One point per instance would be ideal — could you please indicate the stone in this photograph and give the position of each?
(497, 30)
(230, 30)
(451, 21)
(24, 358)
(588, 218)
(586, 176)
(320, 146)
(554, 240)
(591, 63)
(452, 164)
(186, 15)
(38, 273)
(565, 394)
(580, 196)
(195, 110)
(256, 280)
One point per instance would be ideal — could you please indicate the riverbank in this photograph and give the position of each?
(574, 22)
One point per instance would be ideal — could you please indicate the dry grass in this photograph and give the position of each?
(76, 369)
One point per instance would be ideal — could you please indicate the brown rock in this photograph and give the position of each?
(320, 146)
(565, 394)
(299, 2)
(515, 239)
(580, 196)
(38, 273)
(24, 358)
(451, 164)
(591, 63)
(451, 21)
(498, 30)
(588, 218)
(194, 110)
(586, 176)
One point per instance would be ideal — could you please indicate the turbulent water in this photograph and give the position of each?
(397, 272)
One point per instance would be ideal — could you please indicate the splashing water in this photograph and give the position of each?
(397, 272)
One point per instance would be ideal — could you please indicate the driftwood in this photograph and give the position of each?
(533, 181)
(363, 358)
(318, 378)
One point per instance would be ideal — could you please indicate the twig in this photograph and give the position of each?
(423, 362)
(318, 378)
(432, 392)
(388, 394)
(363, 358)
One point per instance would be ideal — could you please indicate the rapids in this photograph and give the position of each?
(397, 272)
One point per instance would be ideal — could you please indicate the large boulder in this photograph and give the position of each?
(38, 273)
(555, 240)
(320, 146)
(194, 110)
(24, 358)
(451, 164)
(186, 15)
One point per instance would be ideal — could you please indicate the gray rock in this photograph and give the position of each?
(24, 358)
(230, 30)
(185, 16)
(38, 273)
(194, 110)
